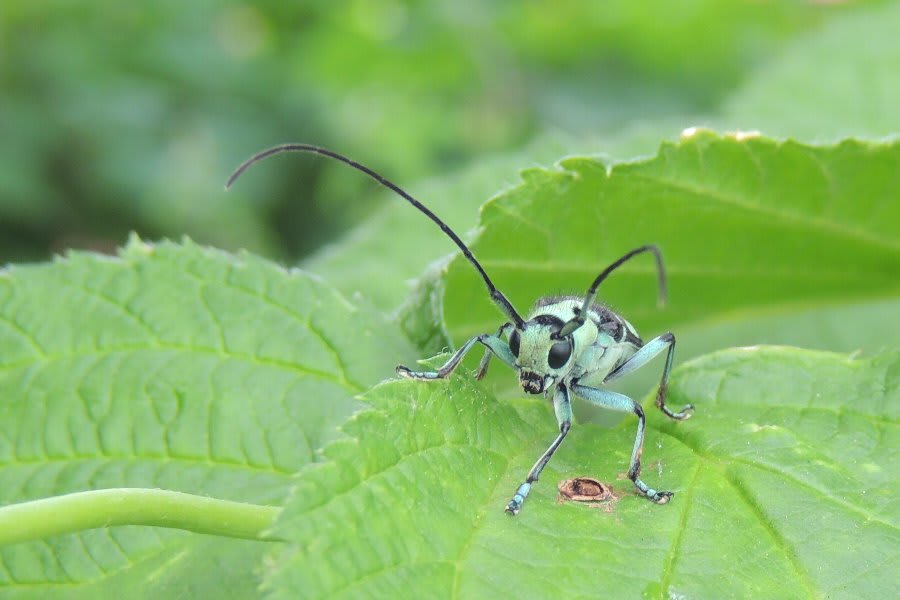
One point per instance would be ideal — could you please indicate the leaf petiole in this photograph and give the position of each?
(80, 511)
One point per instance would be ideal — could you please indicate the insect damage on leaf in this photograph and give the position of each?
(589, 491)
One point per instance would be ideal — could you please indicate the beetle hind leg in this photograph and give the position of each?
(644, 355)
(620, 402)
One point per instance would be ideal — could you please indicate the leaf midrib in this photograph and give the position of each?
(720, 463)
(121, 306)
(719, 316)
(805, 222)
(523, 449)
(766, 271)
(95, 353)
(716, 463)
(675, 549)
(208, 461)
(150, 554)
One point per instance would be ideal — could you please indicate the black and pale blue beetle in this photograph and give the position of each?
(568, 345)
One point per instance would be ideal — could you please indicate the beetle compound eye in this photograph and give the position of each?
(514, 342)
(559, 354)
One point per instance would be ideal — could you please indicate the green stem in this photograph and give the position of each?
(134, 506)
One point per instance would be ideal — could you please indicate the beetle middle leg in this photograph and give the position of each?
(622, 403)
(488, 353)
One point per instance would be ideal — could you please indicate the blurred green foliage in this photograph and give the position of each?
(129, 116)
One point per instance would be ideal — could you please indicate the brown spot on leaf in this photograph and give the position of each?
(587, 490)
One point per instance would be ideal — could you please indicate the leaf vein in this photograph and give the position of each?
(124, 349)
(107, 456)
(220, 330)
(768, 271)
(824, 494)
(675, 550)
(801, 221)
(115, 304)
(779, 541)
(24, 333)
(788, 475)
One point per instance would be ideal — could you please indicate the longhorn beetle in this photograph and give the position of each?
(568, 345)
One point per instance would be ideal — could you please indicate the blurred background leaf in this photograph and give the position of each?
(828, 84)
(118, 117)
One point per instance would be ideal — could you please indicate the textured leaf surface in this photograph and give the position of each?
(176, 367)
(752, 230)
(784, 489)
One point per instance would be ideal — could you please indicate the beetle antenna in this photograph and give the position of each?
(496, 295)
(578, 320)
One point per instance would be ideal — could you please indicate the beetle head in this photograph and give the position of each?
(542, 357)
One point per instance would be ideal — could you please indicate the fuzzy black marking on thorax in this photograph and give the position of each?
(551, 321)
(605, 319)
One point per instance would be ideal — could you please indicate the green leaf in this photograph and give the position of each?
(784, 489)
(177, 367)
(752, 230)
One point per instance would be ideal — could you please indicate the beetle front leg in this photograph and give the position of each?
(563, 410)
(493, 343)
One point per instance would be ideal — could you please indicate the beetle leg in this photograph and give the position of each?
(493, 343)
(644, 355)
(620, 402)
(488, 353)
(563, 410)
